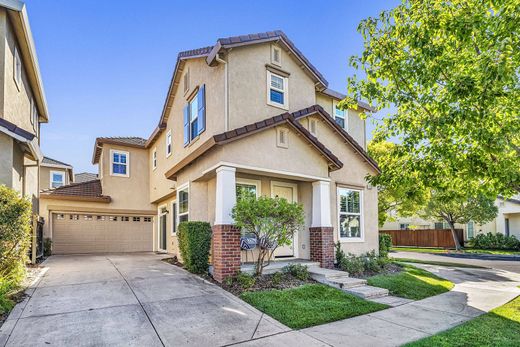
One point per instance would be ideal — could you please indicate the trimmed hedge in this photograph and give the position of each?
(194, 244)
(15, 239)
(494, 241)
(385, 243)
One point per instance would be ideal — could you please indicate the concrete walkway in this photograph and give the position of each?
(132, 300)
(476, 292)
(138, 300)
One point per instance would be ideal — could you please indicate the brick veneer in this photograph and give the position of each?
(226, 251)
(322, 246)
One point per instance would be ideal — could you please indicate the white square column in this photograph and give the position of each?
(321, 204)
(226, 196)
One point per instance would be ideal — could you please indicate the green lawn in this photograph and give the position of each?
(411, 283)
(500, 327)
(434, 262)
(309, 305)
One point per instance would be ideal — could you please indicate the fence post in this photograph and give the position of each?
(34, 246)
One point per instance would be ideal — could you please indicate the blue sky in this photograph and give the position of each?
(106, 65)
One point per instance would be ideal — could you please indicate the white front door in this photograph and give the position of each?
(288, 191)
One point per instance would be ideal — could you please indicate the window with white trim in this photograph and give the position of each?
(277, 90)
(154, 158)
(350, 202)
(136, 219)
(125, 219)
(112, 218)
(57, 179)
(60, 216)
(195, 116)
(183, 201)
(276, 55)
(101, 218)
(340, 116)
(119, 163)
(74, 216)
(88, 217)
(247, 186)
(168, 143)
(404, 226)
(17, 67)
(147, 219)
(282, 137)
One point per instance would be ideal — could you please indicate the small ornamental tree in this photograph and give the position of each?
(454, 210)
(272, 221)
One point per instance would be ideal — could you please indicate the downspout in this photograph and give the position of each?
(226, 92)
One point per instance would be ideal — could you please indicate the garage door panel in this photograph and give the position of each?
(95, 235)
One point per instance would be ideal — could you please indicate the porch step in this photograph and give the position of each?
(367, 292)
(318, 273)
(345, 282)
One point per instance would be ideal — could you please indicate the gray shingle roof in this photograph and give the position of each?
(50, 161)
(84, 177)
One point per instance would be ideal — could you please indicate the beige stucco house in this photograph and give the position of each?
(249, 112)
(55, 173)
(22, 103)
(507, 221)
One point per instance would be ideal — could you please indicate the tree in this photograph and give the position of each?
(449, 72)
(454, 210)
(400, 192)
(272, 222)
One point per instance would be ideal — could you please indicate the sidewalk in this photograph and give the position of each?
(476, 291)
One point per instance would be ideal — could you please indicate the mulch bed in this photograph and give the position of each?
(390, 268)
(264, 282)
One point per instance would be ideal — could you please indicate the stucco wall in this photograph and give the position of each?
(200, 73)
(248, 85)
(127, 192)
(6, 160)
(355, 125)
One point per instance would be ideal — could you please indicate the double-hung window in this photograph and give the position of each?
(246, 187)
(183, 201)
(277, 90)
(120, 163)
(168, 143)
(195, 116)
(341, 117)
(57, 179)
(350, 214)
(154, 158)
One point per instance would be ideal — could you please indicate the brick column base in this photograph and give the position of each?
(226, 251)
(322, 246)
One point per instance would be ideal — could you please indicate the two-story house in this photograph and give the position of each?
(22, 103)
(250, 112)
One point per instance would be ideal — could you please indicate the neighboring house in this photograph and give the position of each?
(85, 177)
(54, 174)
(22, 103)
(249, 112)
(507, 221)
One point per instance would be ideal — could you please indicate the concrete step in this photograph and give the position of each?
(344, 282)
(367, 292)
(392, 301)
(319, 272)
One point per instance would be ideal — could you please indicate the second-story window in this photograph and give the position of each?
(195, 116)
(154, 158)
(17, 68)
(120, 163)
(57, 179)
(277, 90)
(341, 117)
(168, 143)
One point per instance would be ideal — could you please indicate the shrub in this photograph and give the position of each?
(276, 279)
(494, 241)
(385, 243)
(297, 270)
(339, 253)
(245, 280)
(352, 264)
(372, 262)
(47, 247)
(194, 244)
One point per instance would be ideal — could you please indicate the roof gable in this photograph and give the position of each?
(131, 141)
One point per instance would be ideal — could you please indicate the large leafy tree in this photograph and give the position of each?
(454, 208)
(449, 72)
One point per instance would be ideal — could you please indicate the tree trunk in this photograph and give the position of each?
(458, 247)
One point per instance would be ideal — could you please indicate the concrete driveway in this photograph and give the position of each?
(134, 300)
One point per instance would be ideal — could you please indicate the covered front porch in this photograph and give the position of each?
(313, 245)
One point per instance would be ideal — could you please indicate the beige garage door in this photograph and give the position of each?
(85, 233)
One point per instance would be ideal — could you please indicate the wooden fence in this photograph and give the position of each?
(424, 237)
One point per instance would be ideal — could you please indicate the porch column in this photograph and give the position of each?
(226, 237)
(321, 230)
